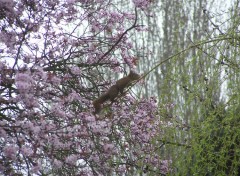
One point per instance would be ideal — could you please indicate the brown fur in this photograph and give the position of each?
(114, 90)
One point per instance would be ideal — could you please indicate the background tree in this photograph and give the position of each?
(193, 54)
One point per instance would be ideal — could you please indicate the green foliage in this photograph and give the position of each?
(195, 67)
(215, 144)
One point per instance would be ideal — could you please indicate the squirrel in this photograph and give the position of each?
(114, 90)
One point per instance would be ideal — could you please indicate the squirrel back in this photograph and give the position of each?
(126, 81)
(111, 93)
(114, 90)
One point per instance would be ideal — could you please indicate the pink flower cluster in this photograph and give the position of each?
(49, 75)
(143, 4)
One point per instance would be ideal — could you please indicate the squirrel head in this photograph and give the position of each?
(133, 75)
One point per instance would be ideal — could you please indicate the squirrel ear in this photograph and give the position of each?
(132, 72)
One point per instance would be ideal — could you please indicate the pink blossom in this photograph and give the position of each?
(27, 151)
(3, 133)
(36, 130)
(41, 73)
(23, 82)
(10, 151)
(57, 143)
(122, 169)
(74, 96)
(72, 159)
(8, 38)
(28, 125)
(141, 3)
(145, 137)
(100, 127)
(164, 167)
(55, 80)
(95, 158)
(70, 1)
(36, 168)
(90, 118)
(108, 147)
(57, 163)
(75, 70)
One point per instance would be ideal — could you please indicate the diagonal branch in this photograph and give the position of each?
(120, 38)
